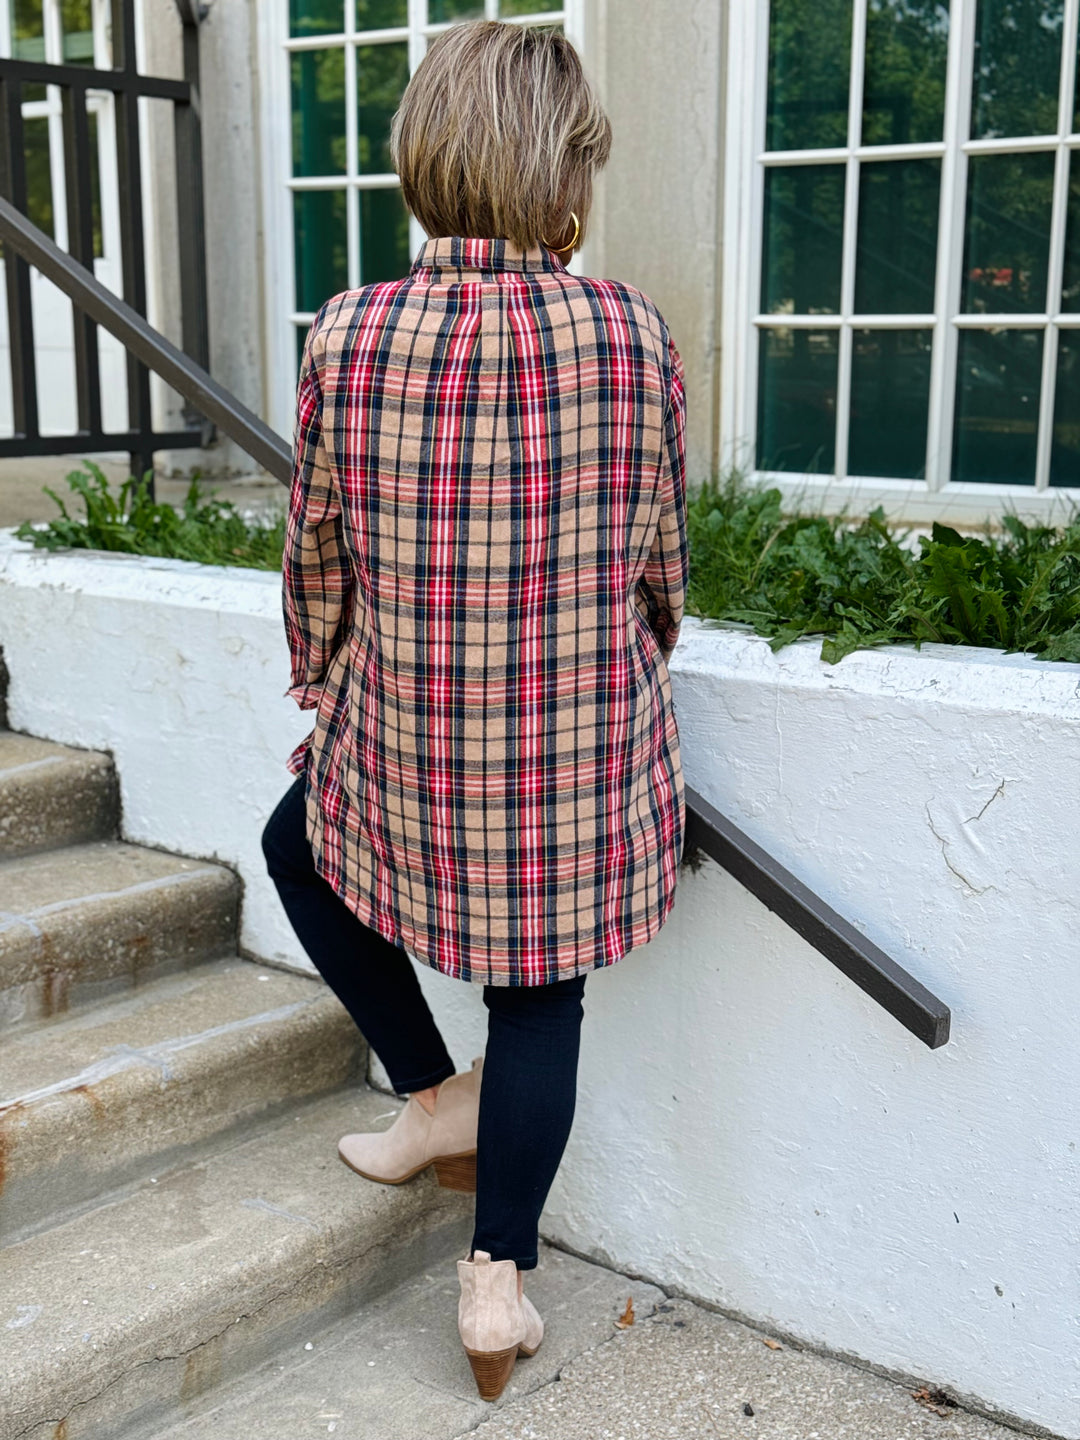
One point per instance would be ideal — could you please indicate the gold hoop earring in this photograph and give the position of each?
(560, 248)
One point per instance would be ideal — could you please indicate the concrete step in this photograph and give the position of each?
(51, 795)
(395, 1370)
(78, 923)
(99, 1099)
(130, 1313)
(685, 1373)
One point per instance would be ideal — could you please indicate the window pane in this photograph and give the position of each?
(95, 184)
(803, 238)
(27, 30)
(998, 379)
(797, 400)
(1065, 451)
(898, 226)
(1017, 67)
(381, 14)
(809, 65)
(1070, 291)
(904, 89)
(527, 7)
(39, 196)
(322, 267)
(384, 236)
(78, 27)
(440, 10)
(316, 17)
(318, 111)
(382, 72)
(1007, 237)
(890, 400)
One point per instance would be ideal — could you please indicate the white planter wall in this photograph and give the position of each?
(752, 1129)
(181, 671)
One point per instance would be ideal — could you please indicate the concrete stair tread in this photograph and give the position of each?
(18, 751)
(34, 885)
(143, 1029)
(181, 1283)
(399, 1358)
(53, 795)
(91, 1100)
(105, 911)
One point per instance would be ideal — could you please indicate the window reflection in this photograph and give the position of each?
(1017, 67)
(809, 66)
(890, 403)
(1007, 234)
(797, 400)
(998, 381)
(907, 44)
(803, 236)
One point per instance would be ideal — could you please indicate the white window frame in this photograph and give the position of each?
(278, 182)
(745, 163)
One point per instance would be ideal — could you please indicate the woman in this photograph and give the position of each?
(484, 577)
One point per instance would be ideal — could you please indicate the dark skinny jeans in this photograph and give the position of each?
(530, 1066)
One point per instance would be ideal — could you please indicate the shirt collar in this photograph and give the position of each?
(457, 252)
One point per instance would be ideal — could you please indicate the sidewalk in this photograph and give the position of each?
(683, 1373)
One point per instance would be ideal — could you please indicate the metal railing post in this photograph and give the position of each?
(24, 398)
(133, 256)
(77, 173)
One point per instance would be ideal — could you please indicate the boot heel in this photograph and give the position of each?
(457, 1172)
(492, 1369)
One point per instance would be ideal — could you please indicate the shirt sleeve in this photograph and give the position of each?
(664, 579)
(316, 578)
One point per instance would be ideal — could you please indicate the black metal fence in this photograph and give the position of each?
(127, 86)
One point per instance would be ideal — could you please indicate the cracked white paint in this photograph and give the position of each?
(752, 1128)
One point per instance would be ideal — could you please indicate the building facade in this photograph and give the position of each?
(861, 218)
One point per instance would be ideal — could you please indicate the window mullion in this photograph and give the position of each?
(417, 18)
(950, 243)
(1055, 269)
(851, 221)
(758, 45)
(352, 163)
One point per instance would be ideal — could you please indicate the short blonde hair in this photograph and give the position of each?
(498, 135)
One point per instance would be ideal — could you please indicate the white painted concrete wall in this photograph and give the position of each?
(180, 670)
(752, 1129)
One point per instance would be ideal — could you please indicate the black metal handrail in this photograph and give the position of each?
(127, 86)
(859, 958)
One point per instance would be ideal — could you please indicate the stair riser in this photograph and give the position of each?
(50, 803)
(316, 1280)
(62, 1151)
(51, 961)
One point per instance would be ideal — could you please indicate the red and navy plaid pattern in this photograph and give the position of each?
(485, 571)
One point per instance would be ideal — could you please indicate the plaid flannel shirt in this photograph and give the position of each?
(485, 570)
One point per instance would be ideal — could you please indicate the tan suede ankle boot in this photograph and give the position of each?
(445, 1139)
(496, 1325)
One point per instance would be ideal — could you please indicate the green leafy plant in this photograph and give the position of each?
(861, 584)
(856, 584)
(210, 531)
